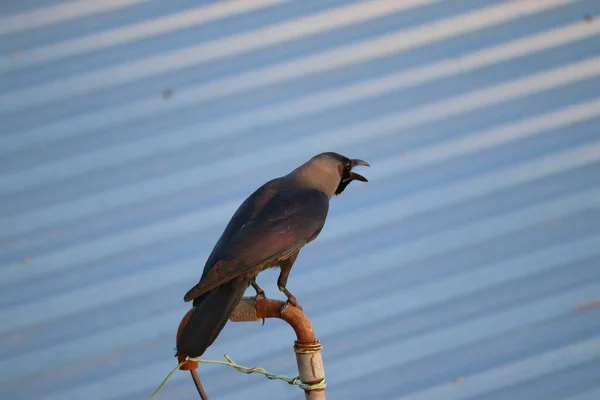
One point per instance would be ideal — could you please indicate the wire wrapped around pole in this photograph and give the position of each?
(311, 375)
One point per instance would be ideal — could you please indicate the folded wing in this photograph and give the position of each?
(291, 219)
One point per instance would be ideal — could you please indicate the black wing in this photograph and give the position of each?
(288, 221)
(245, 213)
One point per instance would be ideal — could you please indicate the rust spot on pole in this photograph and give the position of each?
(254, 309)
(266, 308)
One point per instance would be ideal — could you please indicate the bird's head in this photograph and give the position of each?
(330, 172)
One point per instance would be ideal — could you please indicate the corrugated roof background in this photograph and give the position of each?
(132, 129)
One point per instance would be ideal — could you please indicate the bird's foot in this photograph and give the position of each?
(292, 301)
(260, 295)
(257, 289)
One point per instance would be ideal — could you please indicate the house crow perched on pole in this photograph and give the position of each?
(268, 230)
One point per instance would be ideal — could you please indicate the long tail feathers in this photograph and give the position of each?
(210, 315)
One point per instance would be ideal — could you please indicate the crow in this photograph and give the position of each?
(268, 230)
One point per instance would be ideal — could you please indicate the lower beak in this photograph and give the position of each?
(357, 177)
(354, 175)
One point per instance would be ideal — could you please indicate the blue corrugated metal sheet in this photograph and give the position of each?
(131, 130)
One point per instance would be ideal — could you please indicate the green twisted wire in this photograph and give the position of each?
(292, 381)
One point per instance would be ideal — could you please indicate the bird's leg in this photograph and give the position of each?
(286, 267)
(259, 292)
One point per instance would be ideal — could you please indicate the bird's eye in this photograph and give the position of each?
(348, 165)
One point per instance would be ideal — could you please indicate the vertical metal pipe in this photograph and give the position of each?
(310, 367)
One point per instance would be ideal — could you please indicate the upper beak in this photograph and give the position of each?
(356, 162)
(354, 175)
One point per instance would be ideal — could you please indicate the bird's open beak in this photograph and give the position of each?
(354, 175)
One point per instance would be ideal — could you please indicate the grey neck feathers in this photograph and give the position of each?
(317, 174)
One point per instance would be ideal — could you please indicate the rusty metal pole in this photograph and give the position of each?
(307, 347)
